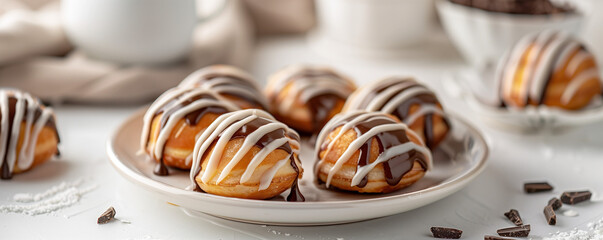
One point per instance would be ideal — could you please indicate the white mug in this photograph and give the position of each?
(375, 24)
(146, 32)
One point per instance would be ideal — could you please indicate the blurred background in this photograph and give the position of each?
(99, 51)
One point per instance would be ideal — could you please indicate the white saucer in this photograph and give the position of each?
(461, 157)
(481, 97)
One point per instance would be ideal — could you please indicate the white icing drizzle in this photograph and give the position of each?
(425, 109)
(171, 102)
(550, 51)
(530, 74)
(347, 126)
(565, 54)
(353, 118)
(395, 86)
(544, 66)
(575, 62)
(511, 67)
(223, 129)
(398, 91)
(305, 87)
(269, 175)
(499, 74)
(572, 88)
(386, 155)
(224, 79)
(540, 44)
(403, 97)
(259, 157)
(247, 145)
(25, 109)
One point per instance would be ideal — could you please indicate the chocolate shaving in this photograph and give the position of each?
(487, 237)
(555, 203)
(537, 187)
(442, 232)
(521, 231)
(550, 216)
(513, 215)
(107, 216)
(572, 198)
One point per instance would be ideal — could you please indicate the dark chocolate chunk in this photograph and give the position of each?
(495, 238)
(550, 216)
(513, 215)
(107, 216)
(572, 198)
(521, 231)
(537, 187)
(442, 232)
(555, 203)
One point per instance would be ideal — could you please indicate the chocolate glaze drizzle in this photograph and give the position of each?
(178, 103)
(552, 50)
(322, 107)
(397, 96)
(396, 152)
(19, 109)
(259, 129)
(320, 88)
(229, 82)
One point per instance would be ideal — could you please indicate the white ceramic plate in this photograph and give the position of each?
(459, 160)
(480, 96)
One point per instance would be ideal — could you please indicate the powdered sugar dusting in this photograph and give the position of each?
(55, 198)
(594, 231)
(570, 213)
(28, 197)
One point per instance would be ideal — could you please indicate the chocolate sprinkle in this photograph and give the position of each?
(537, 187)
(555, 203)
(550, 216)
(572, 198)
(449, 233)
(487, 237)
(521, 231)
(513, 215)
(107, 216)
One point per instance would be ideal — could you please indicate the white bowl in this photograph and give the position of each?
(482, 37)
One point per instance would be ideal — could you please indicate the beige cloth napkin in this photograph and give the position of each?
(26, 32)
(35, 55)
(281, 16)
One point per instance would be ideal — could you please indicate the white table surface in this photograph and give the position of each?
(570, 160)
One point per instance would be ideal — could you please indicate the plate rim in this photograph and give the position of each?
(137, 178)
